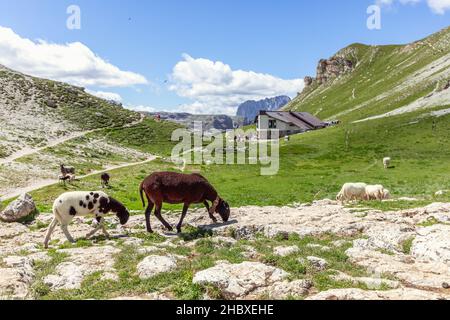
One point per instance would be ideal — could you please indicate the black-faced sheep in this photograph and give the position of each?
(82, 203)
(105, 180)
(67, 170)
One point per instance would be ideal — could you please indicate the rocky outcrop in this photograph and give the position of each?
(285, 251)
(308, 81)
(18, 209)
(329, 69)
(358, 294)
(393, 250)
(237, 281)
(250, 109)
(332, 68)
(16, 278)
(81, 262)
(251, 280)
(317, 263)
(154, 265)
(432, 244)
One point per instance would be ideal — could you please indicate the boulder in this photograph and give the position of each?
(237, 281)
(154, 265)
(51, 104)
(18, 209)
(285, 251)
(318, 263)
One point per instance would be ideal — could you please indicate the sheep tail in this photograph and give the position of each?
(141, 190)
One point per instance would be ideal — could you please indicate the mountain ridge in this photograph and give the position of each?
(250, 109)
(384, 78)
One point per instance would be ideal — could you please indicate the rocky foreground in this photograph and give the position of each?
(318, 251)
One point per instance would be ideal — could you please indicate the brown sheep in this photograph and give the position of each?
(177, 188)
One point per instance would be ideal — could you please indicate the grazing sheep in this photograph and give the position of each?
(374, 192)
(352, 191)
(176, 188)
(377, 192)
(387, 162)
(68, 177)
(82, 203)
(67, 170)
(105, 180)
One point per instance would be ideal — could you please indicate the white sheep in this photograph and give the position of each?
(82, 203)
(352, 191)
(387, 162)
(377, 192)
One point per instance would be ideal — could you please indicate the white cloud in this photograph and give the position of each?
(111, 96)
(437, 6)
(73, 62)
(142, 108)
(216, 88)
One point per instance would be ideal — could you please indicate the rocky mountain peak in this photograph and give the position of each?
(250, 109)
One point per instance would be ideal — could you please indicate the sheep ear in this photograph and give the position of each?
(214, 205)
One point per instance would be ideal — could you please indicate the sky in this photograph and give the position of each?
(198, 56)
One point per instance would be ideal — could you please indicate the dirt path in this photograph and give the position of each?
(29, 151)
(48, 182)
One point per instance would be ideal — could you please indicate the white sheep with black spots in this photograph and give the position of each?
(83, 203)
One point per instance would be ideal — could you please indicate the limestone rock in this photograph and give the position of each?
(236, 281)
(80, 263)
(68, 276)
(371, 283)
(154, 265)
(318, 263)
(432, 244)
(358, 294)
(285, 289)
(285, 251)
(16, 278)
(18, 209)
(404, 268)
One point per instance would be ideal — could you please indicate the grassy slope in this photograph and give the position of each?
(316, 164)
(87, 155)
(149, 136)
(379, 70)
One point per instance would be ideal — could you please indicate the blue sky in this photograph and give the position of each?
(189, 53)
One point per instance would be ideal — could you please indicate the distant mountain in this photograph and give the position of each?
(250, 109)
(209, 122)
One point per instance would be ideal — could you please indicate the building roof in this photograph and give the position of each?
(303, 120)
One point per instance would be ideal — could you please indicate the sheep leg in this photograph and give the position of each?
(160, 218)
(99, 226)
(105, 232)
(183, 215)
(148, 212)
(210, 214)
(67, 233)
(51, 228)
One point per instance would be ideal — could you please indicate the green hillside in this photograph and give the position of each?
(383, 79)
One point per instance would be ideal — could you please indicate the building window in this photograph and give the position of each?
(272, 124)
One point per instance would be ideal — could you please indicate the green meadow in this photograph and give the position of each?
(314, 166)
